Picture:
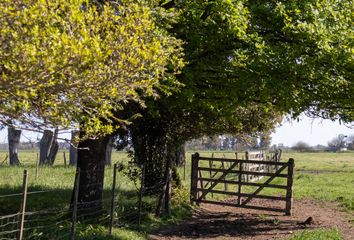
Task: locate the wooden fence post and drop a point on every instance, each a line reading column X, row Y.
column 239, row 183
column 184, row 169
column 141, row 191
column 247, row 166
column 37, row 167
column 76, row 196
column 113, row 197
column 210, row 173
column 21, row 219
column 290, row 187
column 64, row 156
column 194, row 178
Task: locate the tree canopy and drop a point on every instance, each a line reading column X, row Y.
column 65, row 63
column 248, row 62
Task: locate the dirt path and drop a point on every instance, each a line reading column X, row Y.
column 218, row 222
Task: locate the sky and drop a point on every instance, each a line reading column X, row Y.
column 311, row 131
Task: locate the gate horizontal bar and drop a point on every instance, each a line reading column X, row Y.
column 241, row 194
column 242, row 206
column 244, row 161
column 243, row 183
column 241, row 172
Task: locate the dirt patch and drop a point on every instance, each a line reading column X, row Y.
column 219, row 222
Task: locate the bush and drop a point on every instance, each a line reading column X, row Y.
column 301, row 147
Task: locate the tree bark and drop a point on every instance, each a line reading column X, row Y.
column 53, row 148
column 108, row 160
column 73, row 149
column 91, row 161
column 48, row 147
column 14, row 141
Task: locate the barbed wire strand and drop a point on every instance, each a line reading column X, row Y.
column 8, row 232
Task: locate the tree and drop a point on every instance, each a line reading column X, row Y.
column 301, row 147
column 73, row 148
column 351, row 142
column 338, row 142
column 14, row 136
column 248, row 62
column 48, row 147
column 265, row 139
column 73, row 63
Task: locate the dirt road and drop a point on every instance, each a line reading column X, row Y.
column 218, row 222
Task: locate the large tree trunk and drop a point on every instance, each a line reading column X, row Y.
column 108, row 160
column 53, row 148
column 73, row 149
column 48, row 147
column 14, row 141
column 91, row 161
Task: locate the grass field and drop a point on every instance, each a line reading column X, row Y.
column 321, row 176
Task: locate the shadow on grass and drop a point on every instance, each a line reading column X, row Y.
column 56, row 223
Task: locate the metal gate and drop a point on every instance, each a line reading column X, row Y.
column 234, row 175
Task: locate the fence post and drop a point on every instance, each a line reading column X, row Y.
column 76, row 196
column 211, row 162
column 184, row 169
column 64, row 155
column 21, row 219
column 239, row 183
column 290, row 187
column 247, row 166
column 113, row 197
column 194, row 178
column 226, row 186
column 37, row 166
column 141, row 194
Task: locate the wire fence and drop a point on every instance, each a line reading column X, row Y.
column 118, row 207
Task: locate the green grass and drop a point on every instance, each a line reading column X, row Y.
column 325, row 176
column 57, row 182
column 319, row 234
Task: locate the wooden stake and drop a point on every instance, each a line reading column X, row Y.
column 247, row 166
column 141, row 194
column 21, row 219
column 239, row 183
column 289, row 190
column 194, row 178
column 37, row 167
column 76, row 196
column 64, row 156
column 210, row 166
column 113, row 197
column 184, row 170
